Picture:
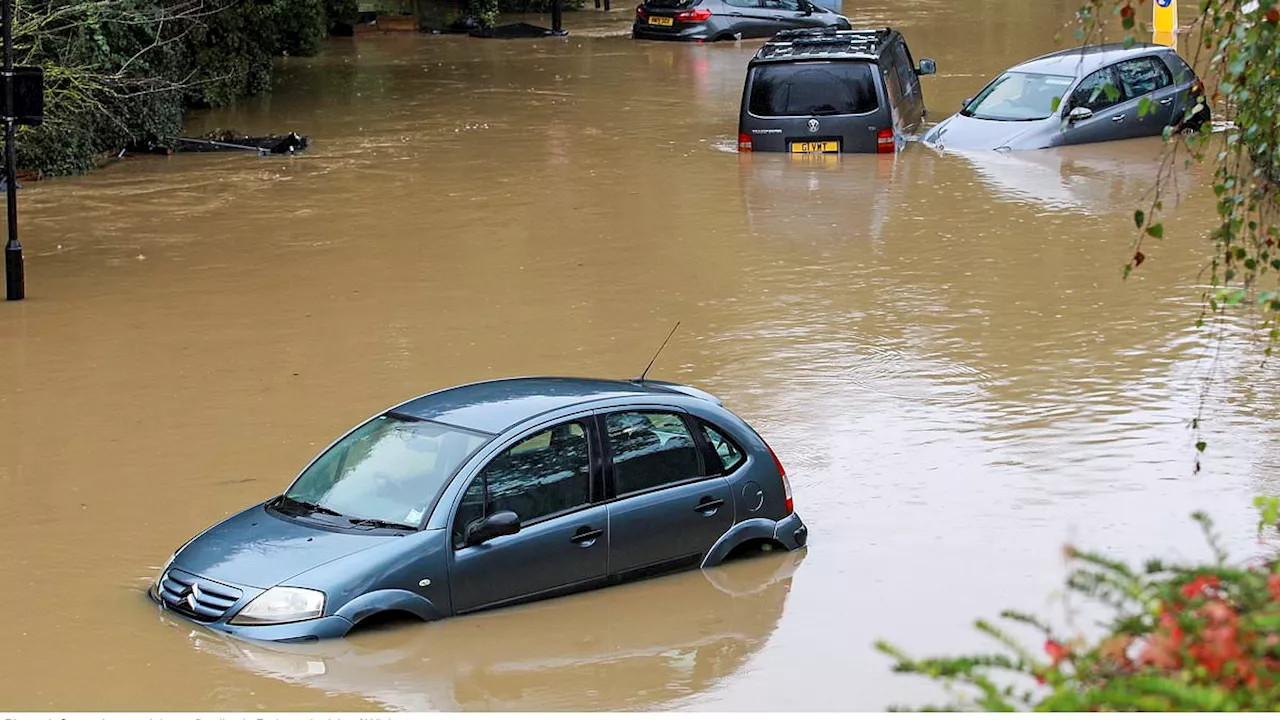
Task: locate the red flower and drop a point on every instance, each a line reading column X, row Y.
column 1198, row 586
column 1055, row 651
column 1039, row 679
column 1273, row 585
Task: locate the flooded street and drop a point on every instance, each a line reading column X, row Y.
column 940, row 349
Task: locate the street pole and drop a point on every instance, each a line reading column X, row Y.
column 15, row 284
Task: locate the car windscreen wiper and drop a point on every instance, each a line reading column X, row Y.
column 313, row 507
column 376, row 523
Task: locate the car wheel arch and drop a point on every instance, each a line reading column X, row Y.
column 754, row 530
column 378, row 602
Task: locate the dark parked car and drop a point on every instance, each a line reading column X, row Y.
column 485, row 495
column 832, row 91
column 1084, row 95
column 712, row 20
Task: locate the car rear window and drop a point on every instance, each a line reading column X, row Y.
column 671, row 4
column 813, row 88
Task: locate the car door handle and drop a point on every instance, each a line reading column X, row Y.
column 586, row 536
column 1166, row 101
column 708, row 505
column 736, row 15
column 1117, row 118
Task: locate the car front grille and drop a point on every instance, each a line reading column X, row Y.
column 196, row 597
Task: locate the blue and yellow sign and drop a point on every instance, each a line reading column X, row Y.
column 1164, row 22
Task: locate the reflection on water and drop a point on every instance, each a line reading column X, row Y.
column 638, row 647
column 938, row 346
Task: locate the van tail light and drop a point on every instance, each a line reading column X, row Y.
column 699, row 15
column 640, row 13
column 885, row 142
column 744, row 142
column 786, row 484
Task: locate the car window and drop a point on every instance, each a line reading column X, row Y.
column 731, row 456
column 547, row 473
column 1096, row 92
column 743, row 3
column 792, row 5
column 902, row 64
column 813, row 88
column 1143, row 75
column 392, row 468
column 1182, row 72
column 1019, row 97
column 651, row 449
column 892, row 86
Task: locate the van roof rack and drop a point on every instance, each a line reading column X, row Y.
column 820, row 42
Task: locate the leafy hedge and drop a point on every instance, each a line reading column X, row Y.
column 124, row 71
column 1181, row 638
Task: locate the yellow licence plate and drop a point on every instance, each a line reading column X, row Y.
column 821, row 146
column 665, row 21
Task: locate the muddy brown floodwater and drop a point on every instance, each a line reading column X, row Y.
column 940, row 348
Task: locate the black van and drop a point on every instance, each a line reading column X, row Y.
column 832, row 91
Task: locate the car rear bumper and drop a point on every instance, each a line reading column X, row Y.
column 331, row 626
column 791, row 532
column 697, row 32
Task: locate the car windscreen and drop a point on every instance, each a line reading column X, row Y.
column 390, row 469
column 813, row 88
column 1019, row 97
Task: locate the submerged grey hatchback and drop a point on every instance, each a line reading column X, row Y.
column 832, row 91
column 485, row 495
column 1084, row 95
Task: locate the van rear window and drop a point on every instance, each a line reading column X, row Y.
column 813, row 88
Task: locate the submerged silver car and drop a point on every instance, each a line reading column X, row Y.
column 1083, row 95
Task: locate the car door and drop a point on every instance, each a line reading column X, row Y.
column 749, row 19
column 550, row 480
column 1099, row 92
column 787, row 14
column 912, row 110
column 668, row 508
column 1147, row 81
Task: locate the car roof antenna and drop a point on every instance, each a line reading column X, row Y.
column 640, row 380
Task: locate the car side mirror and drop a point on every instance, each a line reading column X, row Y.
column 1079, row 113
column 496, row 525
column 965, row 103
column 927, row 67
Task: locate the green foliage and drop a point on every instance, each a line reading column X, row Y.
column 123, row 71
column 1181, row 638
column 1238, row 43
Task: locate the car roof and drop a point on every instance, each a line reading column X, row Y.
column 492, row 406
column 1080, row 61
column 825, row 43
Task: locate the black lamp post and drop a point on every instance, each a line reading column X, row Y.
column 23, row 105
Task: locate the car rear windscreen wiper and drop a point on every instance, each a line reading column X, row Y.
column 376, row 523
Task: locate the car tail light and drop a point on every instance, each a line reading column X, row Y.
column 884, row 141
column 699, row 15
column 786, row 484
column 744, row 142
column 640, row 13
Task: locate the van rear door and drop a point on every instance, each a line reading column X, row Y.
column 788, row 104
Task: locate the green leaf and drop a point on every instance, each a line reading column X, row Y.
column 1139, row 218
column 1200, row 446
column 1156, row 231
